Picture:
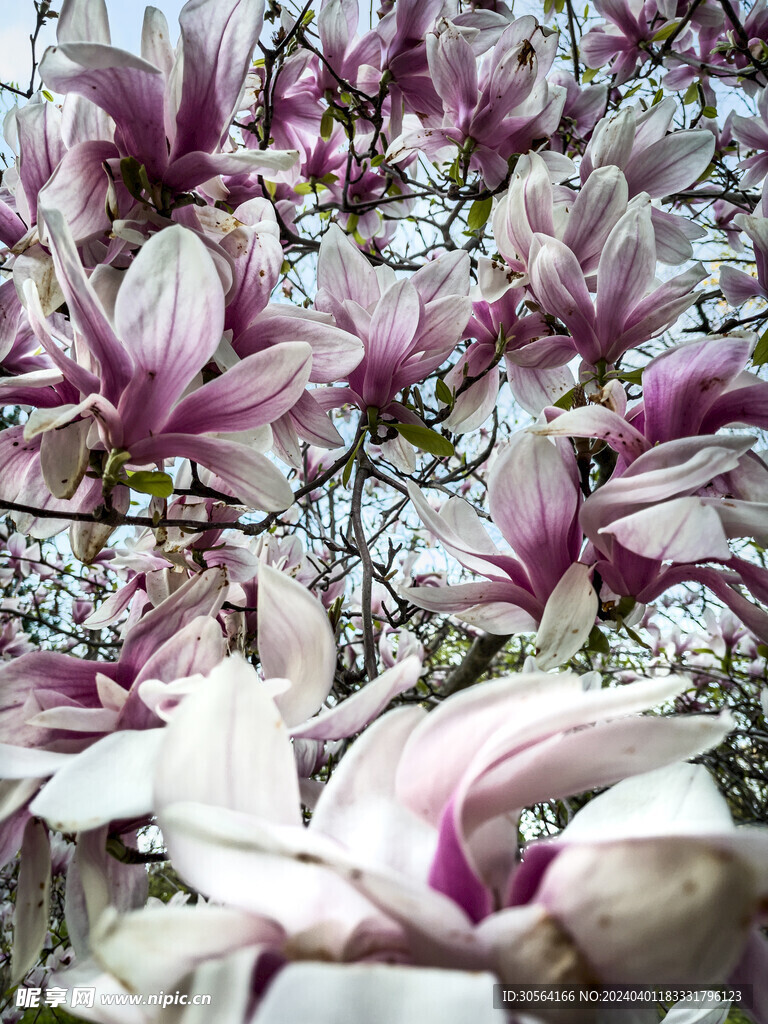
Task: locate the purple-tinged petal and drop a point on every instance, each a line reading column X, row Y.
column 192, row 169
column 64, row 458
column 626, row 271
column 12, row 227
column 611, row 142
column 682, row 384
column 41, row 148
column 471, row 546
column 307, row 657
column 452, row 874
column 670, row 164
column 446, row 275
column 257, row 257
column 355, row 712
column 597, row 421
column 129, row 89
column 393, row 326
column 600, row 203
column 78, row 188
column 210, row 86
column 558, row 283
column 170, row 315
column 257, row 390
column 737, row 286
column 453, row 67
column 335, row 352
column 227, row 746
column 248, row 474
column 532, row 495
column 85, row 309
column 313, row 424
column 514, row 610
column 343, row 272
column 681, row 530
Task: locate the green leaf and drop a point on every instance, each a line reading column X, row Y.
column 760, row 355
column 691, row 93
column 598, row 642
column 479, row 212
column 762, row 650
column 48, row 95
column 710, row 112
column 665, row 32
column 326, row 125
column 565, row 401
column 658, row 97
column 377, row 160
column 588, row 75
column 425, row 439
column 631, row 376
column 443, row 392
column 160, row 485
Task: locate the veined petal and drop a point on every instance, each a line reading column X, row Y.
column 210, row 86
column 86, row 311
column 129, row 89
column 681, row 530
column 532, row 494
column 672, row 163
column 193, row 169
column 626, row 271
column 170, row 315
column 343, row 272
column 257, row 390
column 597, row 421
column 249, row 474
column 393, row 325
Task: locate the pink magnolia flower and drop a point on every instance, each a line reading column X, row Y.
column 655, row 161
column 620, row 42
column 630, row 306
column 167, row 324
column 496, row 112
column 171, row 114
column 408, row 326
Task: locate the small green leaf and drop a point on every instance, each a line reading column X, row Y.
column 377, row 160
column 160, row 485
column 303, row 188
column 631, row 376
column 48, row 95
column 479, row 212
column 565, row 401
column 760, row 355
column 710, row 112
column 691, row 93
column 658, row 97
column 425, row 439
column 665, row 32
column 443, row 392
column 598, row 642
column 762, row 650
column 588, row 75
column 326, row 125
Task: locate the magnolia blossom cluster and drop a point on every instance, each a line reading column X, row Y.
column 349, row 832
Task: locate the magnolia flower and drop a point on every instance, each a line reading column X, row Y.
column 413, row 878
column 408, row 327
column 493, row 113
column 171, row 114
column 149, row 333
